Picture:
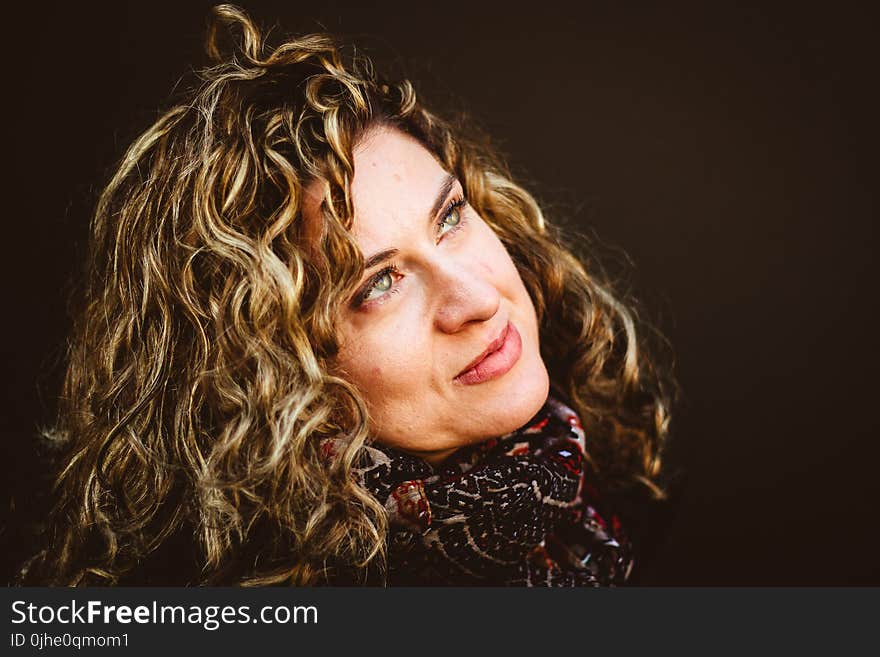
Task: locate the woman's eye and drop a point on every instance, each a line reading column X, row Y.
column 381, row 284
column 452, row 217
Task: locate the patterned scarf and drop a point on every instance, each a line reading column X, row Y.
column 519, row 510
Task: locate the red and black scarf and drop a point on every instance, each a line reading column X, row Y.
column 519, row 510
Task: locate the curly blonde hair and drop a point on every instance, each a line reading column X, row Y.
column 198, row 388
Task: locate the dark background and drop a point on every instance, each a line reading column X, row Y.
column 730, row 152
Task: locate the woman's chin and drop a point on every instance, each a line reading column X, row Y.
column 478, row 413
column 521, row 399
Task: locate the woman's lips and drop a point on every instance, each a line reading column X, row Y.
column 497, row 362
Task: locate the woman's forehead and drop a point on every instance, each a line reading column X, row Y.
column 396, row 180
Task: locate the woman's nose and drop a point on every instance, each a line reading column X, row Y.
column 463, row 294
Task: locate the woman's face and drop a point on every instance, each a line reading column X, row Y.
column 439, row 292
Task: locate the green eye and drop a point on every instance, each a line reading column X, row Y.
column 452, row 218
column 383, row 283
column 379, row 285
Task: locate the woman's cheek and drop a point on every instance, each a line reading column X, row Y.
column 501, row 268
column 398, row 358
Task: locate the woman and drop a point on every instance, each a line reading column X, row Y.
column 325, row 338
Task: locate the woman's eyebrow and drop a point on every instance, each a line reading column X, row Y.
column 386, row 254
column 445, row 188
column 378, row 258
